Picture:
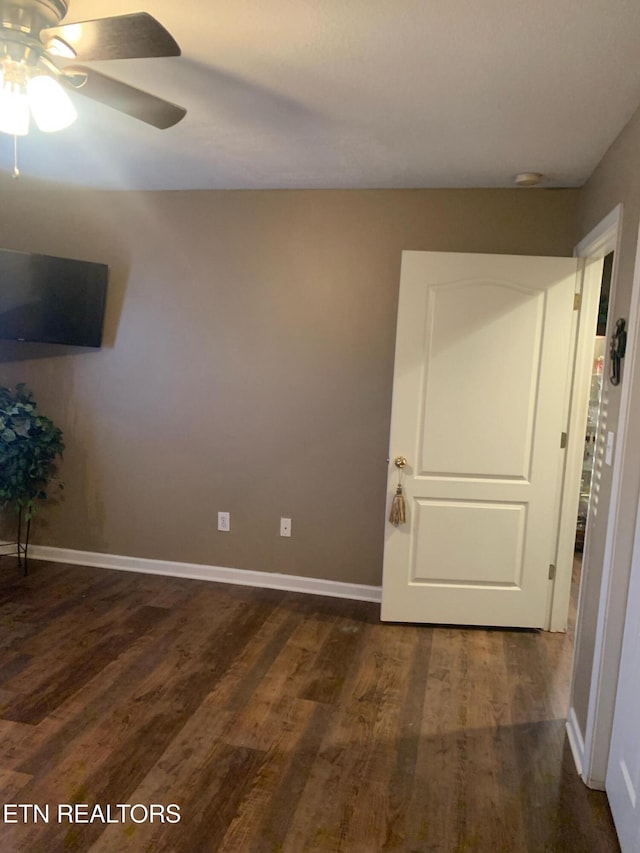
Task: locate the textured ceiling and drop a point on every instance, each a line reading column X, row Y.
column 358, row 93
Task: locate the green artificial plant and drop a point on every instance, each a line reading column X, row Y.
column 29, row 444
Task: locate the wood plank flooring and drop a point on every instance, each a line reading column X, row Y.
column 278, row 723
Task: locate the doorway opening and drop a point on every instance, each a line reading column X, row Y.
column 586, row 576
column 591, row 471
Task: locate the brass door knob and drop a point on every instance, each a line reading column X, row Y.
column 400, row 462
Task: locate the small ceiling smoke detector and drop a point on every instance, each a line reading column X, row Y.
column 528, row 179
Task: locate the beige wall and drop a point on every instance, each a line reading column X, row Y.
column 615, row 181
column 247, row 365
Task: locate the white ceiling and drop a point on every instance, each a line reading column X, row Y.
column 358, row 93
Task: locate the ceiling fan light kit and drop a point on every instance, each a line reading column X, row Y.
column 50, row 105
column 33, row 77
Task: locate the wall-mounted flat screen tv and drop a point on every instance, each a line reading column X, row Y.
column 51, row 300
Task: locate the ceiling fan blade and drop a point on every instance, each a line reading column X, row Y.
column 120, row 96
column 134, row 36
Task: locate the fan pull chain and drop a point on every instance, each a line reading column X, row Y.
column 16, row 172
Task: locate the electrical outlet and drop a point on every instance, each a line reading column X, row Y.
column 285, row 527
column 224, row 522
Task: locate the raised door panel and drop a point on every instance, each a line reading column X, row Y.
column 481, row 360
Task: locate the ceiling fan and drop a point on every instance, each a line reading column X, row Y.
column 35, row 79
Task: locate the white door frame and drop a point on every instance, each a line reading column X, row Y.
column 617, row 558
column 591, row 748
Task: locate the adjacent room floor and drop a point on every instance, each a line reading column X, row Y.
column 276, row 722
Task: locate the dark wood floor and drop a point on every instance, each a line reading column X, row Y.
column 278, row 722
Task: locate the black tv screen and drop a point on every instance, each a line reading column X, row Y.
column 51, row 300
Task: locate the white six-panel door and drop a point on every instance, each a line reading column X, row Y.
column 480, row 384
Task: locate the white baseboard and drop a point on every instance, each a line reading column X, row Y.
column 195, row 571
column 576, row 740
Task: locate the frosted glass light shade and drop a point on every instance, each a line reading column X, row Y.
column 51, row 107
column 14, row 109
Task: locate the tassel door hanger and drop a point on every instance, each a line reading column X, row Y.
column 398, row 513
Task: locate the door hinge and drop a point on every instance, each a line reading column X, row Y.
column 552, row 572
column 577, row 301
column 563, row 440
